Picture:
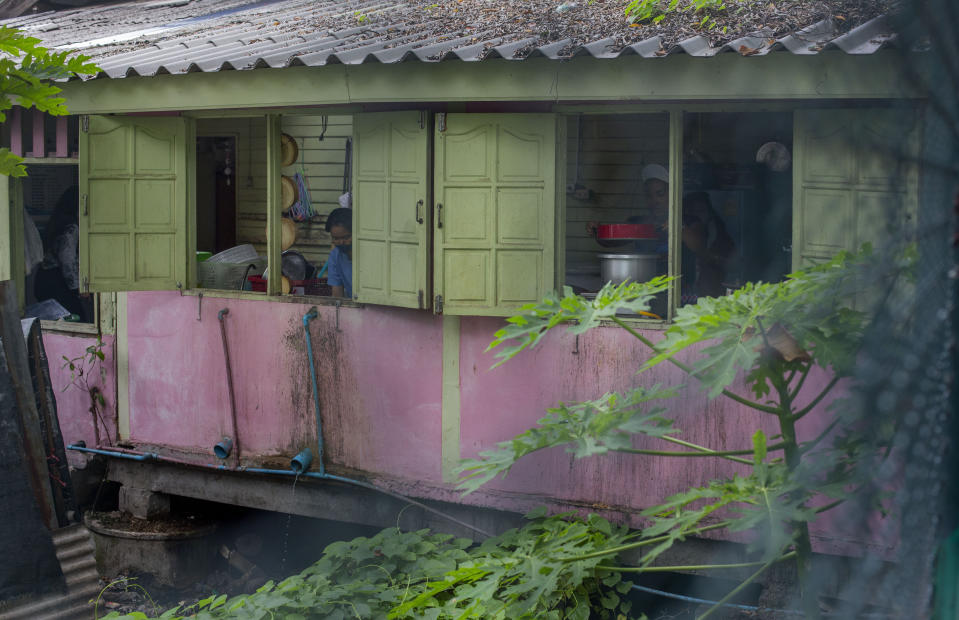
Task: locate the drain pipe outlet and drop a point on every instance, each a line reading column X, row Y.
column 223, row 448
column 301, row 462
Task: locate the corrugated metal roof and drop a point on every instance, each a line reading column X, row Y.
column 183, row 36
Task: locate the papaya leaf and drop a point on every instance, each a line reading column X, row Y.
column 587, row 428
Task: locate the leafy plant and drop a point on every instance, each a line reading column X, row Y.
column 655, row 11
column 522, row 573
column 773, row 335
column 26, row 70
column 84, row 370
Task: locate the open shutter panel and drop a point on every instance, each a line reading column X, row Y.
column 133, row 203
column 494, row 221
column 390, row 164
column 855, row 180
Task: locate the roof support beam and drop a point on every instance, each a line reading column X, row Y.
column 777, row 76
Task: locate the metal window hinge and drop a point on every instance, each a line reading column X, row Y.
column 85, row 202
column 422, row 119
column 179, row 287
column 86, row 284
column 438, row 304
column 85, row 123
column 419, row 299
column 441, row 122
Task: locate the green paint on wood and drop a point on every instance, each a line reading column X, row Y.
column 273, row 206
column 17, row 258
column 676, row 78
column 133, row 203
column 6, row 230
column 122, row 359
column 495, row 211
column 451, row 398
column 855, row 180
column 390, row 164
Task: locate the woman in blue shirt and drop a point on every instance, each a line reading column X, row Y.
column 340, row 265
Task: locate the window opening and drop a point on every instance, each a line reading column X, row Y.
column 316, row 159
column 617, row 200
column 230, row 214
column 737, row 201
column 51, row 244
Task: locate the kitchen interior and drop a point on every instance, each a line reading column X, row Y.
column 231, row 200
column 740, row 161
column 737, row 188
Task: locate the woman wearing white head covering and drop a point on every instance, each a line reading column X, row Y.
column 707, row 246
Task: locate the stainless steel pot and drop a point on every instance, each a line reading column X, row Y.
column 618, row 268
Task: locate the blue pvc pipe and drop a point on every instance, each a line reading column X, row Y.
column 301, row 462
column 149, row 456
column 309, row 316
column 223, row 448
column 152, row 456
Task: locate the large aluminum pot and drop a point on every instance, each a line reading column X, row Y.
column 617, row 268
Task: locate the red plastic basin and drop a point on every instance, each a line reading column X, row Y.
column 626, row 231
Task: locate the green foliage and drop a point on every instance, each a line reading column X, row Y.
column 588, row 428
column 772, row 335
column 654, row 11
column 535, row 320
column 522, row 573
column 26, row 70
column 82, row 367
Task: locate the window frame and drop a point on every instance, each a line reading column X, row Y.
column 563, row 112
column 12, row 263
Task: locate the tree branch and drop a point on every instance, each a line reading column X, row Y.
column 666, row 569
column 736, row 397
column 829, row 386
column 643, row 543
column 699, row 453
column 745, row 583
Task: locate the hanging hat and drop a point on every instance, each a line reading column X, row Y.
column 288, row 193
column 655, row 171
column 287, row 233
column 289, row 150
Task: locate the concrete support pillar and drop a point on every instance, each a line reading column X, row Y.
column 143, row 503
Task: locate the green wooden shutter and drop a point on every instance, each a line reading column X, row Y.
column 390, row 164
column 133, row 203
column 495, row 211
column 855, row 180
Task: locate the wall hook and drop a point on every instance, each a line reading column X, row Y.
column 338, row 303
column 576, row 346
column 199, row 305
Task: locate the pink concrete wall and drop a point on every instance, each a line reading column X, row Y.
column 73, row 403
column 380, row 381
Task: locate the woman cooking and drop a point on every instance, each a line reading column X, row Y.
column 707, row 247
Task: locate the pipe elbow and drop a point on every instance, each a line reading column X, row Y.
column 222, row 313
column 309, row 316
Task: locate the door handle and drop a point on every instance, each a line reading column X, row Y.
column 439, row 215
column 419, row 218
